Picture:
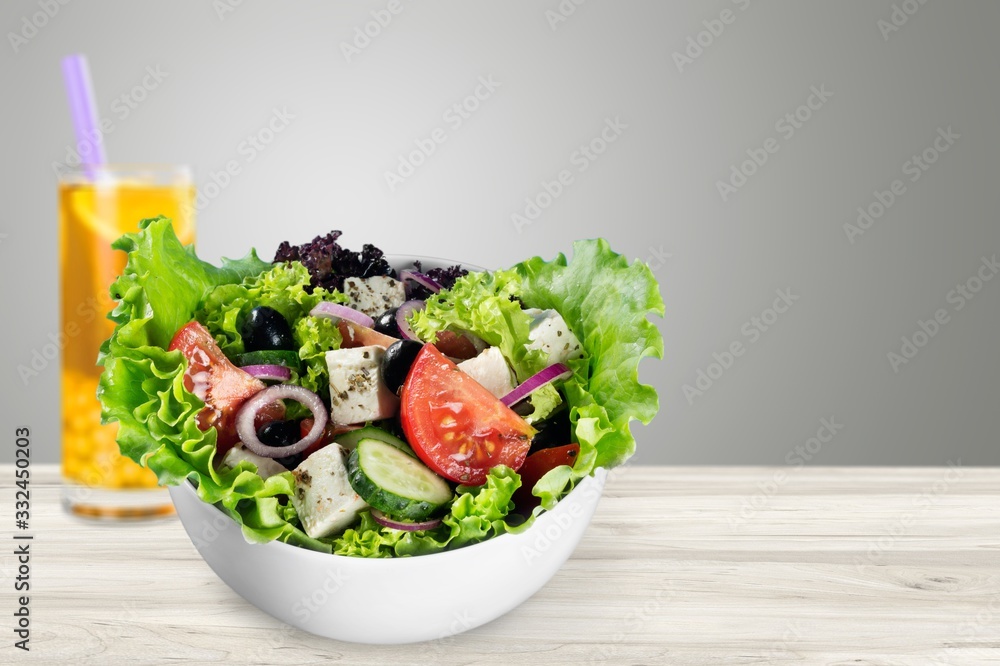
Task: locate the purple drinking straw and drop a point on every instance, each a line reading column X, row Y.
column 83, row 110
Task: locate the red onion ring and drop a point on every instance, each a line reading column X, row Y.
column 277, row 373
column 338, row 311
column 405, row 525
column 248, row 412
column 423, row 280
column 553, row 373
column 404, row 311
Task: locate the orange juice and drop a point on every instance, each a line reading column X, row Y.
column 94, row 210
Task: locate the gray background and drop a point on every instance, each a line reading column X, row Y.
column 653, row 192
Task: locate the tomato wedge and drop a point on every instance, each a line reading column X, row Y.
column 536, row 466
column 454, row 345
column 219, row 384
column 457, row 427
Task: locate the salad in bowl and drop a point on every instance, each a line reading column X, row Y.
column 342, row 403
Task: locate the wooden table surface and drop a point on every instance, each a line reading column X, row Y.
column 682, row 565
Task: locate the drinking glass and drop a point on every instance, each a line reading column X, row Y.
column 97, row 204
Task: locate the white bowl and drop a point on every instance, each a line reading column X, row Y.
column 383, row 601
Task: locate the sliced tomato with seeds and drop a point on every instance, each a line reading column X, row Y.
column 220, row 385
column 455, row 426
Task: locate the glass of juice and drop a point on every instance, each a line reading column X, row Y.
column 97, row 204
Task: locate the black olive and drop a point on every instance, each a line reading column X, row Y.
column 265, row 328
column 386, row 323
column 282, row 433
column 397, row 361
column 279, row 433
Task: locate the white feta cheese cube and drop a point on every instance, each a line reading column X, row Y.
column 357, row 392
column 491, row 370
column 374, row 295
column 266, row 467
column 323, row 496
column 550, row 333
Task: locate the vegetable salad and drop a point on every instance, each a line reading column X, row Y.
column 330, row 402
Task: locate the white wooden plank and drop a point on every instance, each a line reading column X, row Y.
column 835, row 565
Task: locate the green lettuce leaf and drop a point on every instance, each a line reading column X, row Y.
column 484, row 304
column 606, row 302
column 545, row 400
column 164, row 283
column 142, row 385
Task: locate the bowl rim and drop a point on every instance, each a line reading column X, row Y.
column 395, row 259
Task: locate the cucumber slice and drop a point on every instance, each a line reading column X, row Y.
column 284, row 357
column 395, row 483
column 349, row 440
